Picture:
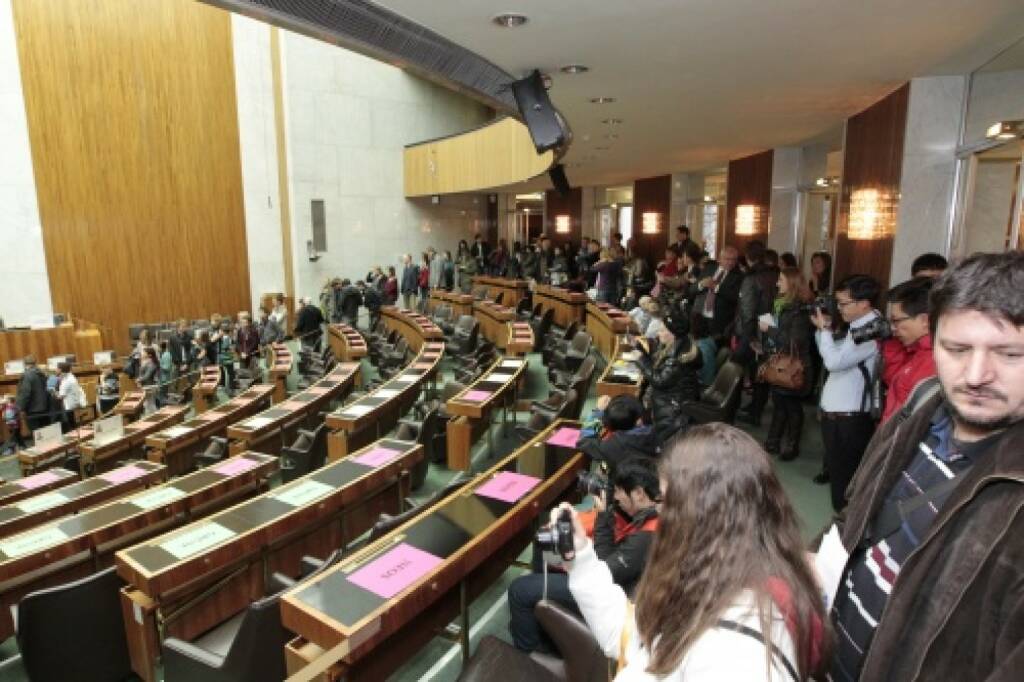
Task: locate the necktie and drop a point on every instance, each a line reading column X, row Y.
column 709, row 302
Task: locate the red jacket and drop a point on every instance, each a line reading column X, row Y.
column 904, row 368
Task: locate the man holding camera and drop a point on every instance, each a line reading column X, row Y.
column 846, row 399
column 907, row 357
column 622, row 535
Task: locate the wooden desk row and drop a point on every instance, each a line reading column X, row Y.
column 569, row 306
column 494, row 320
column 131, row 405
column 196, row 577
column 390, row 599
column 54, row 453
column 461, row 304
column 36, row 484
column 273, row 428
column 346, row 342
column 605, row 324
column 98, row 455
column 78, row 545
column 415, row 328
column 472, row 409
column 520, row 339
column 279, row 366
column 620, row 376
column 513, row 290
column 204, row 393
column 176, row 446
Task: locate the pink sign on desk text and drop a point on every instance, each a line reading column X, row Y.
column 507, row 486
column 376, row 457
column 38, row 480
column 395, row 570
column 476, row 396
column 235, row 466
column 123, row 474
column 564, row 437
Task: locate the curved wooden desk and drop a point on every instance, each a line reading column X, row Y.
column 272, row 429
column 346, row 342
column 97, row 456
column 620, row 376
column 415, row 328
column 46, row 455
column 132, row 403
column 514, row 290
column 569, row 306
column 519, row 338
column 494, row 320
column 605, row 324
column 279, row 366
column 462, row 304
column 204, row 393
column 46, row 481
column 200, row 575
column 456, row 550
column 472, row 408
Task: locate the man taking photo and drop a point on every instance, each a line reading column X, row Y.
column 907, row 357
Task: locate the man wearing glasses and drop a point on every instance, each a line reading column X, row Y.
column 846, row 398
column 907, row 357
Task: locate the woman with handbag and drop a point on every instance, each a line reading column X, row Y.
column 788, row 344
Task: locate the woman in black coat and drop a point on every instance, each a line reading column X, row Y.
column 671, row 375
column 790, row 333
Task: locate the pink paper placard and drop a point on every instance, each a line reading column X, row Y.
column 235, row 466
column 376, row 457
column 123, row 474
column 395, row 570
column 564, row 437
column 507, row 486
column 476, row 396
column 38, row 480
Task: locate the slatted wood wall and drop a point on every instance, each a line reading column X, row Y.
column 134, row 132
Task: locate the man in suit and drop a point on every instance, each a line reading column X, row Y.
column 33, row 399
column 479, row 251
column 683, row 239
column 410, row 281
column 719, row 293
column 181, row 347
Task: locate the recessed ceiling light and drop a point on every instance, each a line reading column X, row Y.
column 575, row 68
column 611, row 136
column 611, row 121
column 602, row 100
column 510, row 19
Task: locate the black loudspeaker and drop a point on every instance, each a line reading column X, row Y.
column 545, row 125
column 558, row 179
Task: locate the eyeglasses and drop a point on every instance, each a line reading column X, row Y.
column 843, row 304
column 897, row 320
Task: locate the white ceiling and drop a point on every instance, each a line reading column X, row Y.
column 699, row 82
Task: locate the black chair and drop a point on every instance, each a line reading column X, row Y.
column 306, row 454
column 311, row 567
column 558, row 342
column 496, row 661
column 541, row 326
column 564, row 380
column 721, row 399
column 523, row 310
column 428, row 434
column 75, row 631
column 247, row 648
column 570, row 359
column 464, row 338
column 537, row 422
column 216, row 450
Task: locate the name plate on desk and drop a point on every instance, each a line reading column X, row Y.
column 302, row 493
column 395, row 570
column 257, row 423
column 156, row 498
column 32, row 542
column 511, row 364
column 497, row 376
column 176, row 431
column 41, row 502
column 357, row 410
column 386, row 393
column 197, row 539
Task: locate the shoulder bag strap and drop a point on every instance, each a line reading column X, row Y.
column 754, row 634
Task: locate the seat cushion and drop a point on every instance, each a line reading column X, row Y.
column 218, row 640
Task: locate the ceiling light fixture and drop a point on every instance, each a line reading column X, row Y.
column 602, row 100
column 510, row 19
column 575, row 68
column 611, row 121
column 1005, row 130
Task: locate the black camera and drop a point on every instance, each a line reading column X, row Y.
column 557, row 537
column 591, row 483
column 826, row 304
column 877, row 329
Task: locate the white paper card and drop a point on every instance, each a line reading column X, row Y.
column 258, row 422
column 14, row 367
column 109, row 429
column 404, row 379
column 103, row 357
column 830, row 562
column 197, row 539
column 32, row 541
column 156, row 498
column 175, row 431
column 357, row 410
column 41, row 502
column 386, row 393
column 512, row 364
column 498, row 376
column 302, row 493
column 47, row 434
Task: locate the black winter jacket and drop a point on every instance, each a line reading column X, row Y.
column 671, row 376
column 620, row 446
column 627, row 558
column 792, row 335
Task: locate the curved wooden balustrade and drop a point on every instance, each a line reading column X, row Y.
column 346, row 342
column 569, row 306
column 461, row 304
column 494, row 320
column 513, row 290
column 499, row 153
column 473, row 408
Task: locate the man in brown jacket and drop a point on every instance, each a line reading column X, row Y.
column 933, row 588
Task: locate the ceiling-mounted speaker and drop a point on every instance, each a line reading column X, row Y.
column 547, row 129
column 558, row 179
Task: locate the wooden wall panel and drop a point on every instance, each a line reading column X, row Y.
column 873, row 158
column 749, row 182
column 572, row 206
column 134, row 132
column 652, row 195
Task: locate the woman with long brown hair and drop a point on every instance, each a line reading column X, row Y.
column 790, row 333
column 727, row 593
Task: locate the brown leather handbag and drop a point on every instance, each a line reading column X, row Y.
column 783, row 370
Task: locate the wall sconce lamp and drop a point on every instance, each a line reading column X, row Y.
column 748, row 219
column 872, row 214
column 563, row 224
column 651, row 222
column 1005, row 130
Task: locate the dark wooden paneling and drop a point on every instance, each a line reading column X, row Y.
column 873, row 158
column 134, row 132
column 572, row 206
column 749, row 182
column 652, row 195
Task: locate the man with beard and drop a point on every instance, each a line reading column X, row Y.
column 929, row 556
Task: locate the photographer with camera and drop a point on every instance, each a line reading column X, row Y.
column 622, row 535
column 847, row 423
column 907, row 355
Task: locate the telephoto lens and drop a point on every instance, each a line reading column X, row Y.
column 877, row 329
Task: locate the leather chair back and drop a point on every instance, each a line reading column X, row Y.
column 583, row 658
